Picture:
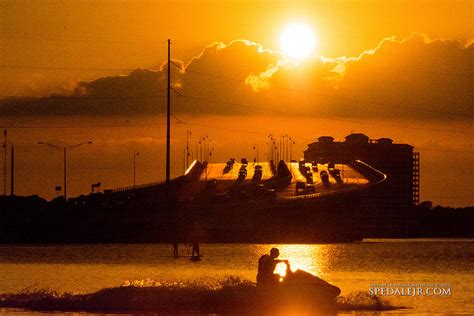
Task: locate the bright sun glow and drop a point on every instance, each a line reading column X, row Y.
column 297, row 41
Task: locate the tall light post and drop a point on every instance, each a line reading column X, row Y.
column 256, row 149
column 266, row 153
column 135, row 154
column 292, row 142
column 188, row 133
column 64, row 149
column 199, row 150
column 271, row 144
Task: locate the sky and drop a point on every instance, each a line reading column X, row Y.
column 398, row 69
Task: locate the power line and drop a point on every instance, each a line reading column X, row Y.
column 80, row 126
column 180, row 121
column 246, row 106
column 86, row 40
column 66, row 68
column 315, row 92
column 227, row 129
column 324, row 117
column 76, row 97
column 299, row 138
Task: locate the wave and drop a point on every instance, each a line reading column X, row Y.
column 231, row 295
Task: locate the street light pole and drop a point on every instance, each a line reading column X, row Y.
column 64, row 149
column 188, row 133
column 135, row 154
column 256, row 156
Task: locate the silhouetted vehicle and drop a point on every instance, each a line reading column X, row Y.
column 304, row 169
column 314, row 166
column 336, row 173
column 244, row 161
column 300, row 287
column 324, row 177
column 227, row 169
column 301, row 163
column 229, row 165
column 310, row 188
column 242, row 173
column 307, row 292
column 257, row 176
column 258, row 167
column 331, row 166
column 300, row 187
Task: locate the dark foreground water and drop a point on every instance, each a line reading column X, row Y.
column 356, row 268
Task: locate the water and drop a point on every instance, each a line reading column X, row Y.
column 352, row 267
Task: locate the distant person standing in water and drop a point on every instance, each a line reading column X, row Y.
column 196, row 250
column 266, row 268
column 175, row 250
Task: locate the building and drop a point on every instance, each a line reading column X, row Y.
column 388, row 208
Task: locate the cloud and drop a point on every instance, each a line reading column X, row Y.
column 415, row 77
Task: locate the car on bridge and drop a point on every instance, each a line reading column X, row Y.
column 300, row 187
column 324, row 177
column 314, row 166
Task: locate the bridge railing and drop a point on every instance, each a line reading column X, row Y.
column 194, row 170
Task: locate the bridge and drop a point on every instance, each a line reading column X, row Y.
column 288, row 180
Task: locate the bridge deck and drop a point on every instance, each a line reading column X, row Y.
column 349, row 178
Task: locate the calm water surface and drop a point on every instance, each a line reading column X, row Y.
column 353, row 267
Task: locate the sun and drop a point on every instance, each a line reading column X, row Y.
column 297, row 41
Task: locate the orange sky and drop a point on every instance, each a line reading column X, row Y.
column 130, row 34
column 414, row 82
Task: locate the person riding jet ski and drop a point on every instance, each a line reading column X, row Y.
column 266, row 268
column 296, row 281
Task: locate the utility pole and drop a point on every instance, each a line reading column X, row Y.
column 168, row 114
column 65, row 176
column 5, row 162
column 12, row 176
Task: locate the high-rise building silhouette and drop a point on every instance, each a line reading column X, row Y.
column 387, row 208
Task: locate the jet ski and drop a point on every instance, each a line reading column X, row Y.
column 304, row 281
column 299, row 290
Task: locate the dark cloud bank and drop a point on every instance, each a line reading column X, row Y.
column 414, row 78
